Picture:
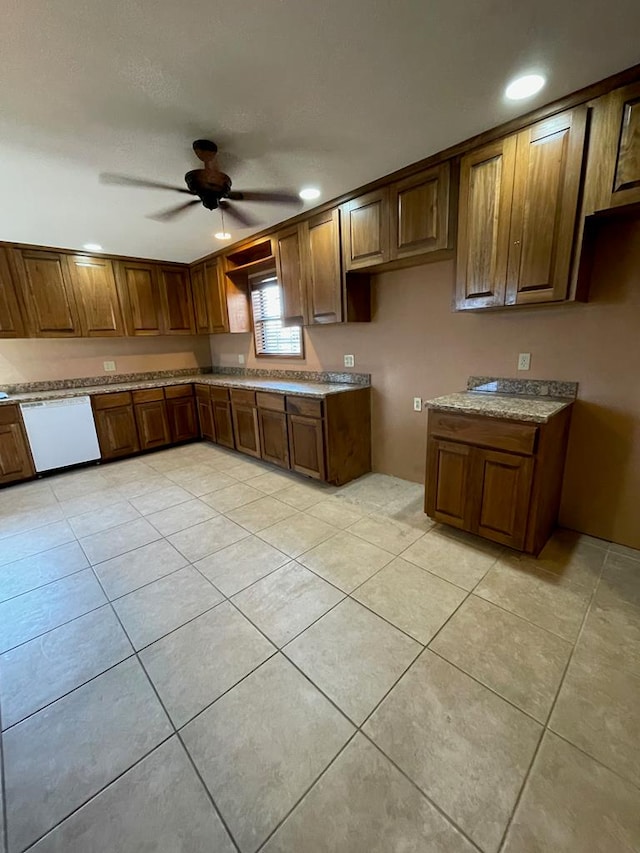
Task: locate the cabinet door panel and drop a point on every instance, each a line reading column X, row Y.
column 176, row 301
column 205, row 417
column 246, row 429
column 209, row 299
column 306, row 446
column 200, row 309
column 153, row 425
column 448, row 482
column 222, row 422
column 11, row 323
column 486, row 195
column 419, row 212
column 289, row 267
column 48, row 294
column 323, row 268
column 97, row 296
column 502, row 494
column 117, row 433
column 140, row 292
column 274, row 439
column 365, row 230
column 183, row 423
column 545, row 201
column 15, row 458
column 626, row 180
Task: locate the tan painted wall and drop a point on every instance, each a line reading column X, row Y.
column 39, row 359
column 417, row 346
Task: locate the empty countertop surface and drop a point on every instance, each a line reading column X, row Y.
column 520, row 407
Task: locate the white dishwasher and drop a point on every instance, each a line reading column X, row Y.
column 61, row 432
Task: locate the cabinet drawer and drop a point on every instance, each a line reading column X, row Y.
column 484, row 432
column 173, row 391
column 203, row 392
column 111, row 401
column 148, row 395
column 243, row 397
column 275, row 402
column 219, row 394
column 307, row 406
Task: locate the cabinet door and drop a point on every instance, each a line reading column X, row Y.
column 419, row 213
column 549, row 159
column 290, row 270
column 484, row 217
column 11, row 323
column 205, row 415
column 183, row 422
column 306, row 446
column 246, row 429
column 117, row 433
column 209, row 299
column 153, row 424
column 274, row 439
column 48, row 294
column 176, row 301
column 96, row 296
column 324, row 282
column 447, row 496
column 626, row 178
column 365, row 230
column 138, row 283
column 200, row 309
column 502, row 487
column 15, row 458
column 222, row 423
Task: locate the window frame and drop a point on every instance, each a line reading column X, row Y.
column 257, row 282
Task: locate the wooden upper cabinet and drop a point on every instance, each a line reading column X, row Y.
column 365, row 230
column 549, row 158
column 324, row 280
column 419, row 213
column 176, row 301
column 291, row 275
column 484, row 217
column 96, row 296
column 47, row 292
column 11, row 323
column 209, row 298
column 626, row 178
column 138, row 283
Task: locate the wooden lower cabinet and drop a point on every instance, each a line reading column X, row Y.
column 115, row 424
column 153, row 423
column 449, row 465
column 246, row 429
column 15, row 458
column 222, row 422
column 183, row 420
column 274, row 438
column 205, row 412
column 504, row 483
column 306, row 446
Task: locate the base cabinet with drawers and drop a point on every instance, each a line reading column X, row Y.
column 500, row 479
column 15, row 458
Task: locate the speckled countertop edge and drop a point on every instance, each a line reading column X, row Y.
column 521, row 408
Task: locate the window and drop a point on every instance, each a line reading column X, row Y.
column 272, row 338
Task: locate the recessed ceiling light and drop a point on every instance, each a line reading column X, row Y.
column 524, row 87
column 309, row 193
column 222, row 235
column 92, row 247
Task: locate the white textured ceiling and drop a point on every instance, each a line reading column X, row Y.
column 333, row 93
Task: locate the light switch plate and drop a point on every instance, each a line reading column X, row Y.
column 417, row 404
column 109, row 365
column 349, row 361
column 240, row 359
column 524, row 361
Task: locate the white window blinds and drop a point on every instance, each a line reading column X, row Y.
column 272, row 338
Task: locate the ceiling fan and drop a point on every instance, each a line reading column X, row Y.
column 211, row 186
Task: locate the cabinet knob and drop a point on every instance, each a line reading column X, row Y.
column 516, row 242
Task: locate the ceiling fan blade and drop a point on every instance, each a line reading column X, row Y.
column 239, row 217
column 275, row 196
column 125, row 180
column 172, row 212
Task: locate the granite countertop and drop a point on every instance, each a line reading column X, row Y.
column 283, row 386
column 519, row 407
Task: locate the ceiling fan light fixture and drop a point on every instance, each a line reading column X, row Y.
column 309, row 193
column 92, row 247
column 524, row 87
column 222, row 235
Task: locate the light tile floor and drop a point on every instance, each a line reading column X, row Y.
column 199, row 652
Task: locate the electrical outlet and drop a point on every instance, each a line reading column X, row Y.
column 524, row 361
column 417, row 404
column 349, row 361
column 109, row 365
column 240, row 359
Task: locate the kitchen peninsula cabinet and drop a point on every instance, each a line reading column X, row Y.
column 11, row 322
column 15, row 458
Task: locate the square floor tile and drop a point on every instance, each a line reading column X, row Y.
column 179, row 517
column 393, row 536
column 287, row 601
column 148, row 484
column 353, row 656
column 188, row 471
column 611, row 635
column 152, row 611
column 40, row 671
column 465, row 747
column 155, row 501
column 518, row 660
column 620, row 581
column 297, row 534
column 336, row 512
column 624, row 550
column 64, row 754
column 346, row 560
column 573, row 562
column 461, row 561
column 206, row 538
column 374, row 492
column 303, row 495
column 573, row 804
column 160, row 805
column 103, row 518
column 76, row 484
column 598, row 710
column 363, row 804
column 134, row 569
column 40, row 610
column 206, row 483
column 40, row 569
column 261, row 745
column 197, row 663
column 96, row 500
column 232, row 497
column 15, row 520
column 537, row 596
column 110, row 543
column 268, row 482
column 262, row 513
column 241, row 564
column 413, row 600
column 31, row 542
